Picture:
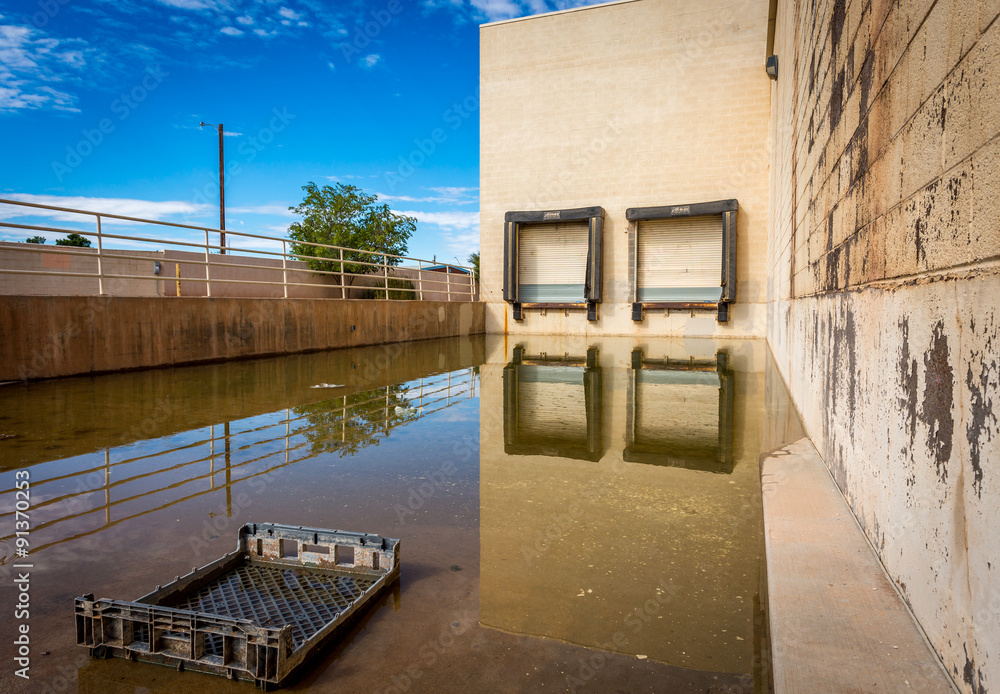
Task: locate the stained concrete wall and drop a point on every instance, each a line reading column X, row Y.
column 656, row 102
column 882, row 287
column 44, row 337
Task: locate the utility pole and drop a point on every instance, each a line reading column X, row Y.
column 222, row 190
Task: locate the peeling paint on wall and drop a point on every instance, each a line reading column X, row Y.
column 882, row 313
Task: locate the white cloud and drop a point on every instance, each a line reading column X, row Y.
column 455, row 191
column 333, row 68
column 446, row 195
column 189, row 4
column 498, row 9
column 281, row 210
column 370, row 60
column 231, row 31
column 439, row 199
column 288, row 13
column 73, row 58
column 264, row 34
column 461, row 245
column 31, row 63
column 458, row 221
column 341, row 177
column 143, row 209
column 495, row 10
column 245, row 20
column 229, row 133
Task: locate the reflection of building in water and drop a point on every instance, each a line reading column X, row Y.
column 680, row 413
column 600, row 513
column 552, row 406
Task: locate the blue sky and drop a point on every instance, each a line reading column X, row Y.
column 100, row 102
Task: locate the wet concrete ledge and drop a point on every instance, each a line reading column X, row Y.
column 837, row 623
column 50, row 336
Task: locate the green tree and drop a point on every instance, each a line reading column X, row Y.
column 473, row 260
column 35, row 239
column 74, row 240
column 346, row 216
column 349, row 424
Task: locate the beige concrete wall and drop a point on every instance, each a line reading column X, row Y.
column 653, row 102
column 43, row 337
column 883, row 290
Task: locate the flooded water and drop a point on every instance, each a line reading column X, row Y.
column 574, row 515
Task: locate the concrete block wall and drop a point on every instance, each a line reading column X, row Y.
column 883, row 285
column 626, row 104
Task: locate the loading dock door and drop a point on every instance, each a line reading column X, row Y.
column 679, row 260
column 552, row 262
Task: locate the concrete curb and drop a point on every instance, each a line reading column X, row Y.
column 837, row 623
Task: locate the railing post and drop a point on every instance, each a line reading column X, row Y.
column 208, row 261
column 100, row 258
column 385, row 273
column 107, row 486
column 284, row 267
column 447, row 274
column 420, row 278
column 343, row 289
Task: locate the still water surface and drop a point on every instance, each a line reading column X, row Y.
column 574, row 515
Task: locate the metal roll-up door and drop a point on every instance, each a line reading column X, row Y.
column 552, row 262
column 552, row 404
column 678, row 411
column 680, row 259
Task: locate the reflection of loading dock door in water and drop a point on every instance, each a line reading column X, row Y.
column 680, row 414
column 552, row 408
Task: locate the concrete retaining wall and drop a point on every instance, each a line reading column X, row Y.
column 44, row 337
column 883, row 283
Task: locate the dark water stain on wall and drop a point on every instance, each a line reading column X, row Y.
column 907, row 367
column 938, row 400
column 982, row 420
column 972, row 675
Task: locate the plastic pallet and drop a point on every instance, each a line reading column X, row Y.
column 256, row 614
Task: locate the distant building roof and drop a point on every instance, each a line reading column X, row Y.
column 445, row 268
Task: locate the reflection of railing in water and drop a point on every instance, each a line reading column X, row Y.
column 400, row 404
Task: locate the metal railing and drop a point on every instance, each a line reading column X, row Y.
column 105, row 488
column 384, row 275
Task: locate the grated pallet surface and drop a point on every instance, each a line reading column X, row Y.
column 274, row 595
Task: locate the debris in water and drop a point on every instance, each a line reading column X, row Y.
column 257, row 614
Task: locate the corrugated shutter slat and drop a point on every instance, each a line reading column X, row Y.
column 552, row 262
column 680, row 259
